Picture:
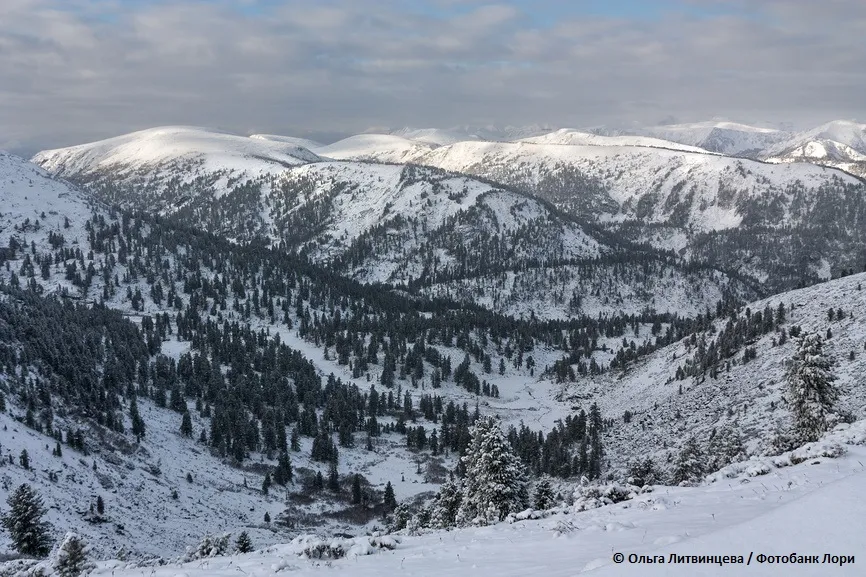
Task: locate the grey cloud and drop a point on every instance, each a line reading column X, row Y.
column 70, row 75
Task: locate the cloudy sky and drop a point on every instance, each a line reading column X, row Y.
column 78, row 70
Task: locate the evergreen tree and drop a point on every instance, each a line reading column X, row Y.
column 296, row 440
column 24, row 459
column 100, row 505
column 495, row 482
column 543, row 498
column 283, row 473
column 642, row 472
column 267, row 517
column 70, row 558
column 446, row 506
column 186, row 425
column 690, row 464
column 137, row 421
column 266, row 483
column 24, row 523
column 333, row 478
column 244, row 544
column 810, row 388
column 725, row 447
column 356, row 489
column 390, row 500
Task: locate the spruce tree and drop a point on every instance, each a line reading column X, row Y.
column 137, row 421
column 543, row 498
column 356, row 489
column 186, row 425
column 70, row 559
column 333, row 478
column 390, row 500
column 24, row 522
column 446, row 505
column 495, row 482
column 810, row 388
column 244, row 544
column 690, row 465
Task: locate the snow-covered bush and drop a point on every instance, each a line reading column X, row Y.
column 209, row 546
column 588, row 496
column 313, row 547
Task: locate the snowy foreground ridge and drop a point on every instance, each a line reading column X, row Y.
column 799, row 514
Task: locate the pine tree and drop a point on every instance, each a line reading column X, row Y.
column 100, row 505
column 446, row 506
column 810, row 388
column 244, row 544
column 356, row 489
column 725, row 447
column 266, row 483
column 296, row 440
column 70, row 558
column 186, row 425
column 690, row 462
column 389, row 500
column 333, row 478
column 137, row 421
column 495, row 482
column 267, row 517
column 24, row 459
column 24, row 522
column 543, row 498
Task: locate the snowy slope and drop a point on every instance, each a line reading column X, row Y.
column 175, row 144
column 702, row 192
column 578, row 137
column 401, row 225
column 34, row 205
column 764, row 516
column 748, row 396
column 375, row 147
column 294, row 140
column 840, row 144
column 436, row 136
column 849, row 134
column 718, row 136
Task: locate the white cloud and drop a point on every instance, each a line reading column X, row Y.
column 68, row 75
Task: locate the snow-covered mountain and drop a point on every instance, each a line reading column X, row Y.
column 724, row 137
column 190, row 150
column 840, row 144
column 435, row 136
column 405, row 225
column 375, row 147
column 297, row 141
column 444, row 136
column 578, row 137
column 654, row 185
column 733, row 213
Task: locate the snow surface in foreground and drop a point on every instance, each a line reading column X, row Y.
column 811, row 508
